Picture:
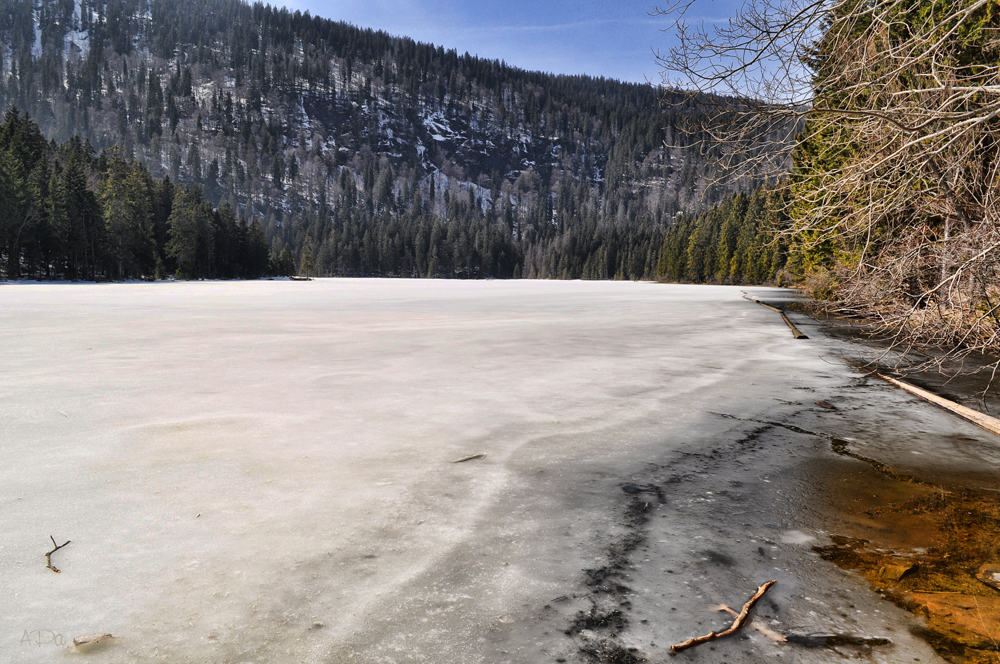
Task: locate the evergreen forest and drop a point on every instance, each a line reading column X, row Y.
column 736, row 242
column 69, row 213
column 355, row 153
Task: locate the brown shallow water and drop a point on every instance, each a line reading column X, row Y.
column 925, row 535
column 923, row 551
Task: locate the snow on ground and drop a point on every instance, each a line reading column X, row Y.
column 203, row 92
column 437, row 124
column 36, row 45
column 78, row 38
column 75, row 36
column 260, row 471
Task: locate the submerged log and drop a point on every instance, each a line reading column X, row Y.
column 795, row 331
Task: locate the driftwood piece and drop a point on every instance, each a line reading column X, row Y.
column 48, row 556
column 470, row 458
column 763, row 629
column 740, row 620
column 981, row 420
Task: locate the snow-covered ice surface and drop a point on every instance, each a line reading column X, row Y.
column 260, row 472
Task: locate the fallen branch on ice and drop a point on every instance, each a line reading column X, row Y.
column 795, row 331
column 981, row 420
column 763, row 629
column 48, row 556
column 832, row 640
column 740, row 620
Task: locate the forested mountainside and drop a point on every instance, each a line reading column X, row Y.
column 366, row 154
column 70, row 213
column 738, row 241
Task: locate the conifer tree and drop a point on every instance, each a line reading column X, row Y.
column 307, row 265
column 126, row 199
column 190, row 233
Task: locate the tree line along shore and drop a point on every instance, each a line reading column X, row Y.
column 72, row 213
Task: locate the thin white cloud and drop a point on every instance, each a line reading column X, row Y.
column 590, row 23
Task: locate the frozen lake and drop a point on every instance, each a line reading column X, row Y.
column 261, row 471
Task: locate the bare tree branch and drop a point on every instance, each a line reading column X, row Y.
column 885, row 117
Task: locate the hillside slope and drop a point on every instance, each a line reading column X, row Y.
column 366, row 153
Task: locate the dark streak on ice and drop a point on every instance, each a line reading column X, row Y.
column 838, row 445
column 598, row 628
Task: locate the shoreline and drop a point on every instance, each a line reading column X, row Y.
column 842, row 488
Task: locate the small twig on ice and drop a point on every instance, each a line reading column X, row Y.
column 741, row 619
column 470, row 458
column 48, row 556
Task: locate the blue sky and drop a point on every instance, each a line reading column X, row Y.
column 600, row 38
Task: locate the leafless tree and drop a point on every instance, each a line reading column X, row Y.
column 893, row 107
